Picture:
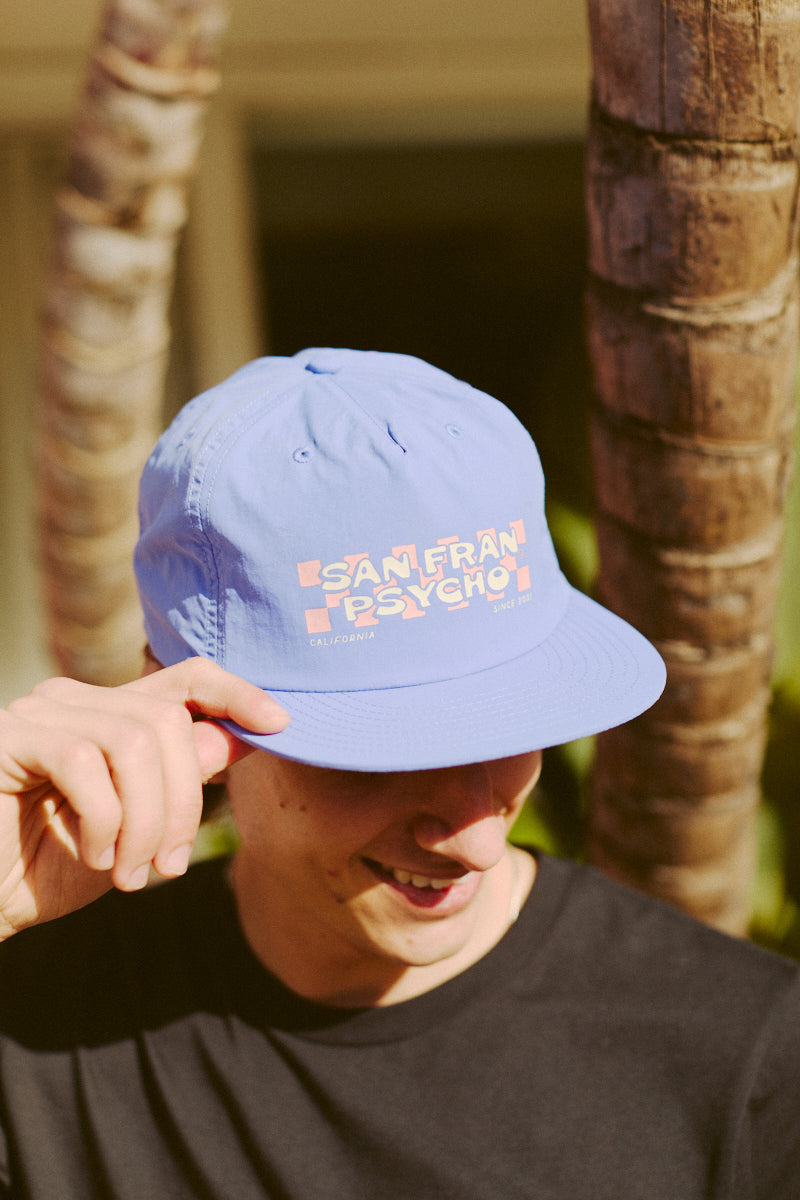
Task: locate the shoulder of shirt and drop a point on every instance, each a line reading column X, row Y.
column 611, row 928
column 93, row 960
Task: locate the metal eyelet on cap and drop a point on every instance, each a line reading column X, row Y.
column 303, row 454
column 326, row 362
column 454, row 430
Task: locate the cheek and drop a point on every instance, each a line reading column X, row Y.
column 315, row 819
column 288, row 833
column 274, row 826
column 265, row 816
column 515, row 778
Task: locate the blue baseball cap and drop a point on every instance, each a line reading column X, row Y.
column 363, row 536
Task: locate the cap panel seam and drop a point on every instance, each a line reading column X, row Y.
column 232, row 430
column 384, row 429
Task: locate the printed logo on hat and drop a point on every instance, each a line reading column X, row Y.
column 357, row 591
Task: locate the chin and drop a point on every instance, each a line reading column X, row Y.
column 423, row 952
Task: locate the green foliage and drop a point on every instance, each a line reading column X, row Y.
column 218, row 834
column 777, row 896
column 776, row 915
column 786, row 674
column 575, row 542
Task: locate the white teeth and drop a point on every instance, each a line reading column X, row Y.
column 421, row 881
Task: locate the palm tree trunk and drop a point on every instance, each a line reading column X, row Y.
column 105, row 333
column 692, row 184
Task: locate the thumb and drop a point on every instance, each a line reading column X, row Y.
column 217, row 748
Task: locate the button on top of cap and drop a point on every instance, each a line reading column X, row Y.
column 325, row 362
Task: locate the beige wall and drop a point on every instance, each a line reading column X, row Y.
column 463, row 65
column 310, row 71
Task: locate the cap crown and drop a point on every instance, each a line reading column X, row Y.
column 346, row 521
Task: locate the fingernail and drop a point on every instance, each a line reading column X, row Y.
column 178, row 860
column 106, row 860
column 138, row 879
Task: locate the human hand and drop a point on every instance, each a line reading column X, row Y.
column 97, row 784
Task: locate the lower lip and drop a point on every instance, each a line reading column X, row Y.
column 443, row 900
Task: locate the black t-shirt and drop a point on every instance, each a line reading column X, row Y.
column 607, row 1048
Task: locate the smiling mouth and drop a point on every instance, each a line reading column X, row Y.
column 409, row 878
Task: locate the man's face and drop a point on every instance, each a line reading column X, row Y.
column 362, row 875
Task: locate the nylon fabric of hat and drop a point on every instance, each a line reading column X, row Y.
column 364, row 536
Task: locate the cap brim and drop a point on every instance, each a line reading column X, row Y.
column 592, row 673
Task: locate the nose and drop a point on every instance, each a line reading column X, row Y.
column 461, row 819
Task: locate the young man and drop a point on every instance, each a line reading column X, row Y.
column 378, row 995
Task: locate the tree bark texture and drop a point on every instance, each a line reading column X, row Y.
column 105, row 331
column 692, row 312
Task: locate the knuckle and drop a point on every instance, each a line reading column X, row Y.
column 57, row 688
column 18, row 708
column 198, row 663
column 174, row 719
column 27, row 708
column 136, row 742
column 81, row 756
column 204, row 672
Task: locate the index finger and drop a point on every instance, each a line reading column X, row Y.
column 207, row 689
